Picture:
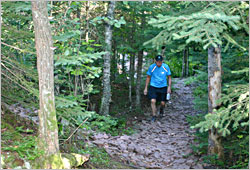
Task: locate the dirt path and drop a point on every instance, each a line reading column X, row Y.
column 161, row 144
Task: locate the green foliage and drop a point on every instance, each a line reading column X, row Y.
column 200, row 92
column 21, row 79
column 201, row 138
column 115, row 22
column 237, row 147
column 21, row 130
column 100, row 159
column 14, row 140
column 175, row 65
column 109, row 124
column 213, row 160
column 72, row 109
column 206, row 27
column 233, row 114
column 26, row 148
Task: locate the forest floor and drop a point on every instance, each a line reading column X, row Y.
column 165, row 143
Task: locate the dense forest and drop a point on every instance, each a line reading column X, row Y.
column 73, row 75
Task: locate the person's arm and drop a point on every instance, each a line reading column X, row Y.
column 169, row 84
column 146, row 85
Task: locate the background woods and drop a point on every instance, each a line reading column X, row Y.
column 78, row 69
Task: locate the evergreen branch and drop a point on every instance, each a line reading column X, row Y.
column 228, row 38
column 12, row 64
column 15, row 82
column 211, row 42
column 11, row 72
column 24, row 51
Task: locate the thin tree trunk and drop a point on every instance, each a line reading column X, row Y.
column 76, row 82
column 87, row 21
column 214, row 94
column 139, row 70
column 183, row 63
column 132, row 61
column 69, row 82
column 51, row 5
column 130, row 82
column 138, row 80
column 133, row 70
column 187, row 56
column 114, row 64
column 48, row 130
column 131, row 77
column 163, row 49
column 106, row 98
column 123, row 64
column 82, row 85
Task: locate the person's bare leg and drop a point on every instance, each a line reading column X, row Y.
column 162, row 107
column 153, row 106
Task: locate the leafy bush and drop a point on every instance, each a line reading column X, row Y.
column 109, row 124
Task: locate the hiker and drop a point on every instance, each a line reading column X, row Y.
column 157, row 76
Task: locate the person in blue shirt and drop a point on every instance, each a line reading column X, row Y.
column 157, row 75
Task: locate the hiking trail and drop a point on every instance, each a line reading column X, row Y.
column 164, row 143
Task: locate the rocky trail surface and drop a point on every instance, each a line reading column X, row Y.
column 164, row 143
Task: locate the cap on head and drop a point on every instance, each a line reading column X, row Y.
column 158, row 58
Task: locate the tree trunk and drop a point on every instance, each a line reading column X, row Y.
column 214, row 93
column 187, row 56
column 138, row 81
column 133, row 69
column 48, row 130
column 183, row 63
column 123, row 64
column 139, row 69
column 131, row 76
column 114, row 64
column 163, row 49
column 106, row 98
column 87, row 21
column 130, row 81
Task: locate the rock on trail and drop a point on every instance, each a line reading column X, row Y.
column 161, row 144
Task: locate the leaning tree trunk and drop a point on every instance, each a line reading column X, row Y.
column 138, row 81
column 214, row 93
column 106, row 98
column 48, row 130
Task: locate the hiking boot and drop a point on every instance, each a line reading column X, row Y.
column 153, row 119
column 161, row 112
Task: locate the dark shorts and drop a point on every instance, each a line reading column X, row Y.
column 157, row 93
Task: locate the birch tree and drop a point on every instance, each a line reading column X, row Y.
column 106, row 97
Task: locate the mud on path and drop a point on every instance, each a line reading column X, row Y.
column 164, row 143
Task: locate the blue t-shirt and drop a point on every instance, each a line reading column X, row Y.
column 159, row 75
